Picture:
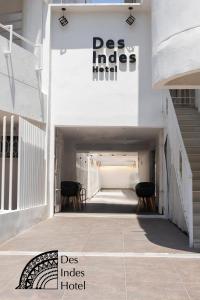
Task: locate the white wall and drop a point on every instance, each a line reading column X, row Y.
column 82, row 169
column 176, row 32
column 144, row 165
column 68, row 165
column 87, row 173
column 94, row 184
column 12, row 223
column 119, row 177
column 76, row 97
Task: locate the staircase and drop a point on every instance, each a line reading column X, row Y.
column 189, row 122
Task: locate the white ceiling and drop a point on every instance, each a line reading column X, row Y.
column 115, row 159
column 109, row 135
column 145, row 5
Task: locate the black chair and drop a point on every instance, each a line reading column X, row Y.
column 75, row 191
column 146, row 194
column 70, row 190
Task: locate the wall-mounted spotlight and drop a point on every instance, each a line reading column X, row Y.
column 63, row 20
column 130, row 20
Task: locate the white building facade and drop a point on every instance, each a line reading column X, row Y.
column 98, row 84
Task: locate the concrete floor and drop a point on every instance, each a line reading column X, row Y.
column 124, row 257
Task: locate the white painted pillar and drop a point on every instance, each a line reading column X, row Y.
column 19, row 164
column 11, row 162
column 3, row 165
column 51, row 183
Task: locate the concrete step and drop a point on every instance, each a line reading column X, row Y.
column 192, row 149
column 196, row 175
column 191, row 142
column 196, row 199
column 191, row 134
column 189, row 128
column 195, row 166
column 194, row 116
column 195, row 122
column 194, row 157
column 186, row 111
column 196, row 232
column 196, row 208
column 178, row 106
column 196, row 243
column 196, row 184
column 196, row 219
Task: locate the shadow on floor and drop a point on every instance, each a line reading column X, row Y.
column 165, row 234
column 104, row 208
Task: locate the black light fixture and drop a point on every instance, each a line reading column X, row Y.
column 130, row 20
column 63, row 20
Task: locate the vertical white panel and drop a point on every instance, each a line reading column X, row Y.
column 3, row 165
column 11, row 163
column 31, row 181
column 20, row 154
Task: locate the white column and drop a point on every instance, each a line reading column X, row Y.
column 11, row 162
column 3, row 165
column 19, row 165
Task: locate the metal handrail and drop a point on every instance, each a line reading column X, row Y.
column 8, row 28
column 38, row 53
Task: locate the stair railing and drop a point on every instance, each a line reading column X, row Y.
column 37, row 48
column 181, row 164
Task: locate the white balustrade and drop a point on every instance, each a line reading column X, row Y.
column 181, row 165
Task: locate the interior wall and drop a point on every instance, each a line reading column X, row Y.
column 68, row 165
column 121, row 177
column 144, row 166
column 94, row 183
column 82, row 169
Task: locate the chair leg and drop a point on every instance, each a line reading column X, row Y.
column 79, row 201
column 139, row 204
column 75, row 202
column 144, row 203
column 151, row 204
column 154, row 203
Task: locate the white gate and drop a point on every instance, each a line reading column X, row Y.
column 31, row 165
